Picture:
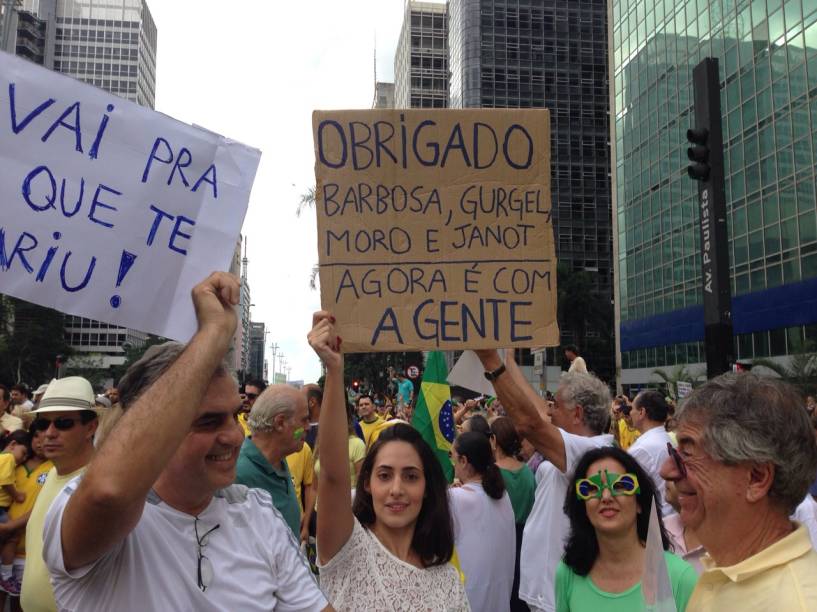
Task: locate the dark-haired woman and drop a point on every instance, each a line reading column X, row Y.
column 484, row 531
column 391, row 549
column 520, row 484
column 609, row 512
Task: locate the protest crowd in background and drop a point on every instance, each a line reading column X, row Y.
column 175, row 491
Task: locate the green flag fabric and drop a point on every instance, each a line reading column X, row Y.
column 434, row 414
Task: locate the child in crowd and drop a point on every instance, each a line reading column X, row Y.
column 16, row 447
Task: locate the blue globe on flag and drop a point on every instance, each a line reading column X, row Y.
column 445, row 421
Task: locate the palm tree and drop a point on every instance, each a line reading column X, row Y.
column 681, row 373
column 801, row 369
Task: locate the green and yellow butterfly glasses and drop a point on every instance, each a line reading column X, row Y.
column 617, row 484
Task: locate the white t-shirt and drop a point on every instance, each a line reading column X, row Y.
column 256, row 562
column 485, row 538
column 650, row 450
column 578, row 365
column 806, row 514
column 363, row 575
column 548, row 527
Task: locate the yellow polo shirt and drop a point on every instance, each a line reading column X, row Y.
column 242, row 420
column 29, row 482
column 7, row 466
column 626, row 434
column 37, row 594
column 782, row 577
column 302, row 469
column 369, row 428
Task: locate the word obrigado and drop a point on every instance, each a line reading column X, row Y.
column 361, row 145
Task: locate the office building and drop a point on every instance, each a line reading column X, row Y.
column 257, row 368
column 421, row 59
column 383, row 95
column 767, row 53
column 110, row 44
column 535, row 54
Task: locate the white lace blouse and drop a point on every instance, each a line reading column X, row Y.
column 366, row 576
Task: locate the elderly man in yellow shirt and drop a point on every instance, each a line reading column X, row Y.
column 302, row 469
column 745, row 459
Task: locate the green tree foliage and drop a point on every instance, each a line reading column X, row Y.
column 133, row 354
column 800, row 370
column 31, row 337
column 680, row 373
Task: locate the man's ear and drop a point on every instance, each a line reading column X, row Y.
column 760, row 480
column 278, row 421
column 578, row 414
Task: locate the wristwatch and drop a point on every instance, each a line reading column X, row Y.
column 492, row 376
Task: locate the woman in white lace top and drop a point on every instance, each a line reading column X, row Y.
column 392, row 549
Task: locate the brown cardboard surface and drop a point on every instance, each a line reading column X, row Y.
column 434, row 228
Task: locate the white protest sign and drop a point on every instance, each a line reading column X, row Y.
column 111, row 210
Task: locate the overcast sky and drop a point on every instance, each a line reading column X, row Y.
column 254, row 70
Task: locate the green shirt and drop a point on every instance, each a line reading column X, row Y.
column 576, row 593
column 521, row 486
column 254, row 471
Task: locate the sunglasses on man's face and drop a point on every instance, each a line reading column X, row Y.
column 61, row 423
column 617, row 484
column 251, row 395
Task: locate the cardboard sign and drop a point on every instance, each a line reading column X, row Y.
column 434, row 228
column 110, row 210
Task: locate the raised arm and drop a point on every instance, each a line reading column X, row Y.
column 109, row 501
column 522, row 404
column 335, row 523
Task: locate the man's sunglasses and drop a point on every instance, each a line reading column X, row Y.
column 251, row 395
column 617, row 484
column 61, row 423
column 679, row 460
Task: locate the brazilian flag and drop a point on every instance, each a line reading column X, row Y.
column 434, row 414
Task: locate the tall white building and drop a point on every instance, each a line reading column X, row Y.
column 421, row 59
column 110, row 44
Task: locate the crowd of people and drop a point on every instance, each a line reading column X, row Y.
column 176, row 491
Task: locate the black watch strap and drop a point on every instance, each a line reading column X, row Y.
column 492, row 376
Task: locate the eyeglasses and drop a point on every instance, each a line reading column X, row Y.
column 61, row 423
column 679, row 460
column 251, row 395
column 204, row 574
column 617, row 484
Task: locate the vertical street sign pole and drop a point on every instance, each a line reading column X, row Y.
column 706, row 153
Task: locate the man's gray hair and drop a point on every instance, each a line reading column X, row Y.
column 592, row 395
column 748, row 418
column 275, row 400
column 150, row 367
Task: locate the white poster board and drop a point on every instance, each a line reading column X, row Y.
column 111, row 210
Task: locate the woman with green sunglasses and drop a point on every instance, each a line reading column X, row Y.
column 609, row 511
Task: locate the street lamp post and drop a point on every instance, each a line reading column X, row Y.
column 274, row 349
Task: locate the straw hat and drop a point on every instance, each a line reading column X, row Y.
column 67, row 395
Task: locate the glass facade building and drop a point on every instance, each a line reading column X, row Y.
column 767, row 53
column 551, row 54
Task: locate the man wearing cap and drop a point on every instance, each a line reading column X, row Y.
column 156, row 523
column 67, row 418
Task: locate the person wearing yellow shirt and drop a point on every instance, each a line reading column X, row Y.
column 745, row 459
column 66, row 418
column 302, row 469
column 29, row 479
column 369, row 419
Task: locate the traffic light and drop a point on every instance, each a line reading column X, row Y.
column 698, row 153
